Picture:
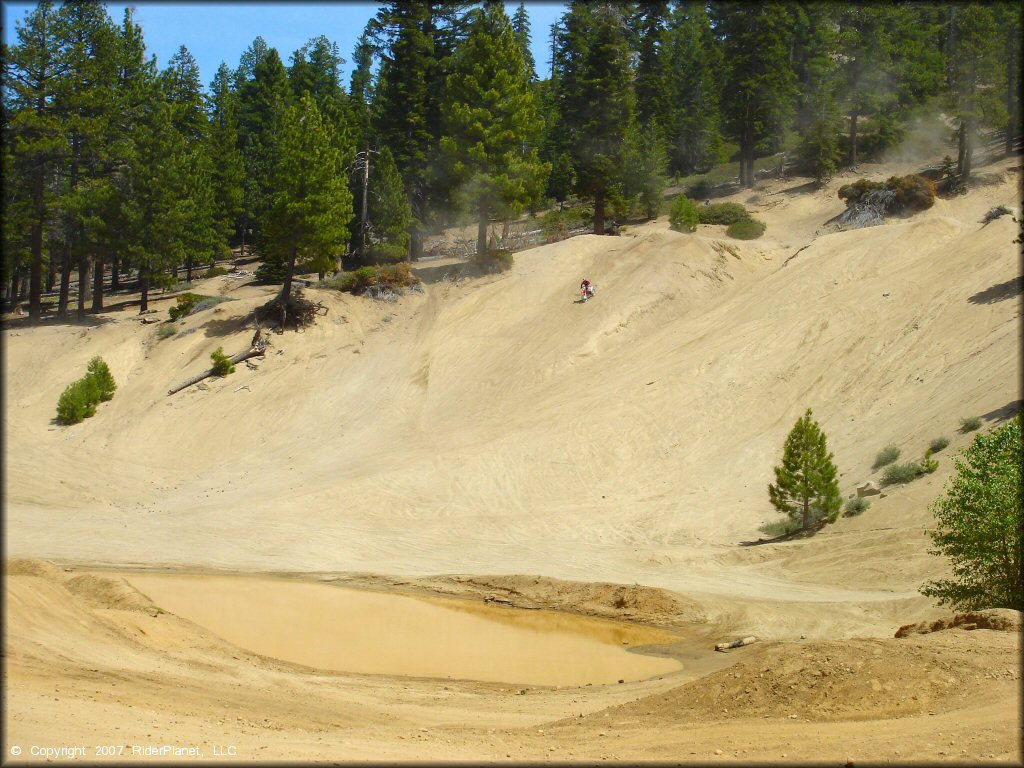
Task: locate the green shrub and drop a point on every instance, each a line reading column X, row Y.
column 222, row 364
column 79, row 399
column 392, row 275
column 184, row 305
column 928, row 464
column 914, row 192
column 938, row 444
column 190, row 303
column 851, row 193
column 683, row 216
column 748, row 229
column 166, row 330
column 775, row 528
column 558, row 224
column 855, row 507
column 99, row 374
column 496, row 258
column 73, row 404
column 887, row 455
column 970, row 424
column 722, row 213
column 901, row 473
column 215, row 272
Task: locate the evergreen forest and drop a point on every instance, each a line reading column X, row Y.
column 119, row 170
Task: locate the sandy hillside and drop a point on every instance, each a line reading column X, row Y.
column 489, row 438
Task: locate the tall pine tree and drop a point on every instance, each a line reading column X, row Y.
column 760, row 85
column 492, row 122
column 595, row 98
column 310, row 205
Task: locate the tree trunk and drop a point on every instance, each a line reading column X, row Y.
column 115, row 273
column 853, row 139
column 65, row 283
column 747, row 157
column 599, row 211
column 144, row 285
column 256, row 351
column 968, row 149
column 286, row 289
column 188, row 269
column 961, row 145
column 35, row 301
column 84, row 278
column 97, row 286
column 1011, row 89
column 51, row 276
column 481, row 230
column 807, row 513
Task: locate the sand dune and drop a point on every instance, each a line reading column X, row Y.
column 490, row 430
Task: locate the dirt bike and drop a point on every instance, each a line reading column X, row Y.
column 586, row 293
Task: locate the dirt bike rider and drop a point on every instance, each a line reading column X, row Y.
column 586, row 288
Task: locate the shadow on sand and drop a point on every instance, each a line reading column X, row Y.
column 1000, row 292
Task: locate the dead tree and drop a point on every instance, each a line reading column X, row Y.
column 257, row 348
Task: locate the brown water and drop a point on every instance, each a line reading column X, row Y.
column 351, row 630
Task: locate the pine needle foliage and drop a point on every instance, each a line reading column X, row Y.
column 806, row 487
column 79, row 399
column 222, row 364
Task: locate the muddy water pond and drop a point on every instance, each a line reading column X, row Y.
column 351, row 630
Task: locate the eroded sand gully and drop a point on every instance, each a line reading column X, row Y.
column 491, row 441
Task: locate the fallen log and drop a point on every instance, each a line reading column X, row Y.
column 736, row 643
column 258, row 349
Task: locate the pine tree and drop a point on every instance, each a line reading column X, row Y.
column 595, row 98
column 521, row 28
column 1008, row 19
column 180, row 82
column 388, row 213
column 31, row 75
column 645, row 165
column 310, row 205
column 975, row 77
column 651, row 84
column 867, row 64
column 760, row 86
column 492, row 122
column 246, row 70
column 156, row 202
column 262, row 101
column 694, row 123
column 818, row 116
column 228, row 171
column 806, row 488
column 400, row 105
column 316, row 70
column 361, row 88
column 134, row 90
column 202, row 239
column 85, row 102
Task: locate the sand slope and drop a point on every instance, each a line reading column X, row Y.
column 489, row 431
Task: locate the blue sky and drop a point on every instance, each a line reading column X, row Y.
column 215, row 32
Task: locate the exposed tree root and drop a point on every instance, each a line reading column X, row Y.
column 295, row 312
